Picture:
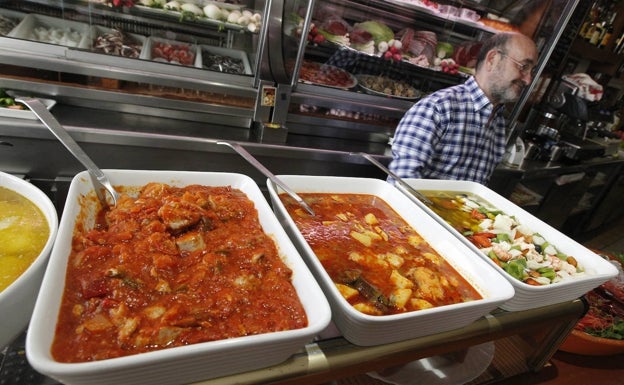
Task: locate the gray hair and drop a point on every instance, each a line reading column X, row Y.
column 497, row 41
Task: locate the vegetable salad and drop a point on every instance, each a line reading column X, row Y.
column 521, row 252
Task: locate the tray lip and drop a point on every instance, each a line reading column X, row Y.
column 534, row 222
column 339, row 184
column 46, row 308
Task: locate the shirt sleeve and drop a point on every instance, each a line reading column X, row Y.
column 415, row 138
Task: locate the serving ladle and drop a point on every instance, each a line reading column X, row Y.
column 260, row 167
column 396, row 178
column 98, row 178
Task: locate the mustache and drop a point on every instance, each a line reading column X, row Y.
column 520, row 83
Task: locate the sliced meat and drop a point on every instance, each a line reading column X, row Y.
column 190, row 241
column 177, row 215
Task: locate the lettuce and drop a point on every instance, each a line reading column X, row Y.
column 338, row 39
column 368, row 47
column 380, row 32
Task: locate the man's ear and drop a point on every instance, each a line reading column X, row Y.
column 491, row 59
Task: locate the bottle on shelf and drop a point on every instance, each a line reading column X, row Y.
column 596, row 33
column 608, row 31
column 588, row 23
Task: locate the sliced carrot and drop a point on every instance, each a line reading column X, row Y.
column 478, row 215
column 480, row 240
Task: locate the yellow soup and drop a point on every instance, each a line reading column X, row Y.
column 24, row 231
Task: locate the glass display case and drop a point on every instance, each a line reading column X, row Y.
column 181, row 59
column 366, row 62
column 174, row 102
column 331, row 73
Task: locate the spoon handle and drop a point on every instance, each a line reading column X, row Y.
column 400, row 181
column 260, row 167
column 40, row 110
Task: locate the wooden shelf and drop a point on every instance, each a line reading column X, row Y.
column 585, row 50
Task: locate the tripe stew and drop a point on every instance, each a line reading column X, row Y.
column 172, row 267
column 377, row 261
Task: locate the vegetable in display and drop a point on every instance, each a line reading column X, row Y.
column 605, row 316
column 522, row 253
column 6, row 101
column 379, row 31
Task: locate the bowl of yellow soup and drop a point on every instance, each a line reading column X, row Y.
column 28, row 226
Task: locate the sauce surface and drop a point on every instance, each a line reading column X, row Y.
column 377, row 261
column 24, row 231
column 172, row 267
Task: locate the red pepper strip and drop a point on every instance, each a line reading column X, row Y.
column 480, row 240
column 533, row 282
column 477, row 215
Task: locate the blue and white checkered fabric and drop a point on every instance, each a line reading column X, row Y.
column 449, row 135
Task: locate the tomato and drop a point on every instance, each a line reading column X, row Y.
column 480, row 240
column 478, row 215
column 173, row 53
column 592, row 321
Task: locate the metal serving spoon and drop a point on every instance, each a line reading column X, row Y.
column 260, row 167
column 397, row 179
column 99, row 179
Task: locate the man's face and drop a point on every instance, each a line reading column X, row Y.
column 513, row 71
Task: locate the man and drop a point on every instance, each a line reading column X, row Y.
column 459, row 132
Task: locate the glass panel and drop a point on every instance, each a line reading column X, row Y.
column 189, row 50
column 206, row 34
column 293, row 25
column 390, row 48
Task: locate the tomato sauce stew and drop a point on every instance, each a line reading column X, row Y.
column 174, row 266
column 378, row 262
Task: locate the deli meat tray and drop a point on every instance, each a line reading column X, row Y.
column 186, row 363
column 595, row 269
column 366, row 329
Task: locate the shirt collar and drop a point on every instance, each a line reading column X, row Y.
column 480, row 100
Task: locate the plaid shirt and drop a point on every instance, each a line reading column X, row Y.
column 449, row 135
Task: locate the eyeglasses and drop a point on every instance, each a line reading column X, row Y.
column 524, row 68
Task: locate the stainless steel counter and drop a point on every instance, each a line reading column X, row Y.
column 127, row 141
column 137, row 142
column 130, row 141
column 543, row 329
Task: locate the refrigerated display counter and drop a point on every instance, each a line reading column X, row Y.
column 139, row 113
column 242, row 77
column 524, row 341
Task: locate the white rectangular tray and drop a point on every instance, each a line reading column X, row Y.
column 17, row 16
column 178, row 365
column 97, row 31
column 146, row 52
column 26, row 27
column 25, row 113
column 598, row 270
column 367, row 330
column 233, row 53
